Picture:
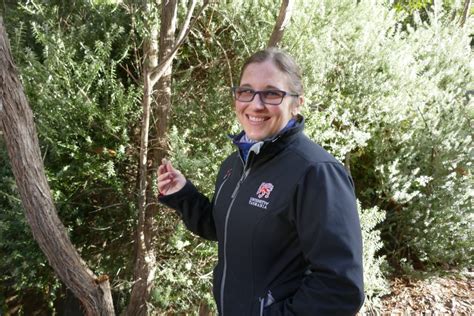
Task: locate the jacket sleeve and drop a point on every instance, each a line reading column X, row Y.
column 194, row 208
column 327, row 222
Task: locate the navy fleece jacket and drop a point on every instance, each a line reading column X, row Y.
column 288, row 232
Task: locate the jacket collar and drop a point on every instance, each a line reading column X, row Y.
column 275, row 143
column 297, row 127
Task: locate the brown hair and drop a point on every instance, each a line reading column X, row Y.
column 284, row 62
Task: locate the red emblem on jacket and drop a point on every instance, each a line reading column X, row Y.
column 264, row 190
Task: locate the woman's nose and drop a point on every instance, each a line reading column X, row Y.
column 257, row 102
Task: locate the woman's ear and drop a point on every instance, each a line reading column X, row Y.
column 301, row 100
column 297, row 106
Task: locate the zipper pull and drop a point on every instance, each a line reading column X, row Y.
column 262, row 301
column 242, row 178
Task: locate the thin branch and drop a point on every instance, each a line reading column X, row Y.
column 465, row 12
column 161, row 68
column 135, row 79
column 281, row 22
column 187, row 20
column 227, row 61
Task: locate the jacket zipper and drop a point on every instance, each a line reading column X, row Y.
column 266, row 301
column 224, row 271
column 262, row 301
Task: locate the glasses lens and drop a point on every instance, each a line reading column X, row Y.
column 244, row 94
column 273, row 96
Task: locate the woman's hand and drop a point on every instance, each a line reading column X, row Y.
column 170, row 180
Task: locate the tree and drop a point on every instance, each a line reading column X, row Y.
column 156, row 82
column 17, row 125
column 281, row 22
column 465, row 11
column 159, row 49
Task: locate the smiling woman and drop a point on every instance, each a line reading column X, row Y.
column 267, row 115
column 283, row 212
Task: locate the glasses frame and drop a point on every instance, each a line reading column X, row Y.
column 255, row 92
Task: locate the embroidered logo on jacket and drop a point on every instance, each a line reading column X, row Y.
column 263, row 192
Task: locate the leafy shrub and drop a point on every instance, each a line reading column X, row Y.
column 375, row 270
column 389, row 100
column 85, row 113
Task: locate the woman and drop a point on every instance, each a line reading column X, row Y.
column 283, row 213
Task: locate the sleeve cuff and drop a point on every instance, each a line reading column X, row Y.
column 184, row 192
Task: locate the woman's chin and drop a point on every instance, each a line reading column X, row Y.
column 256, row 136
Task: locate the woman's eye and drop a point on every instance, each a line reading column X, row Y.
column 273, row 94
column 245, row 92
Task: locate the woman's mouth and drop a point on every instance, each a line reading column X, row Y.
column 256, row 119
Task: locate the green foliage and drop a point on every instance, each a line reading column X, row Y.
column 375, row 270
column 392, row 105
column 184, row 276
column 415, row 6
column 429, row 176
column 18, row 250
column 85, row 111
column 412, row 5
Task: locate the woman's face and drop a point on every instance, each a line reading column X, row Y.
column 260, row 120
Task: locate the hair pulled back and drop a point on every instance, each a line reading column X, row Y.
column 284, row 62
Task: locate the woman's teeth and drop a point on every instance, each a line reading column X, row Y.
column 256, row 119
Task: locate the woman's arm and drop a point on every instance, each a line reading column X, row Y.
column 194, row 208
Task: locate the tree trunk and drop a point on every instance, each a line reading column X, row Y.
column 281, row 22
column 17, row 125
column 465, row 12
column 162, row 95
column 145, row 260
column 157, row 84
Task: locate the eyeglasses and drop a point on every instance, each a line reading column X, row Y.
column 270, row 97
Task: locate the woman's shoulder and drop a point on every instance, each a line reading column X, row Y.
column 229, row 162
column 231, row 158
column 312, row 153
column 317, row 163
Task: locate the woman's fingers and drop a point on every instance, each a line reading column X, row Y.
column 166, row 175
column 169, row 166
column 166, row 178
column 164, row 186
column 161, row 169
column 166, row 164
column 169, row 179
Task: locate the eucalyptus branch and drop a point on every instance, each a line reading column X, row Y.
column 227, row 62
column 281, row 22
column 161, row 68
column 465, row 12
column 187, row 20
